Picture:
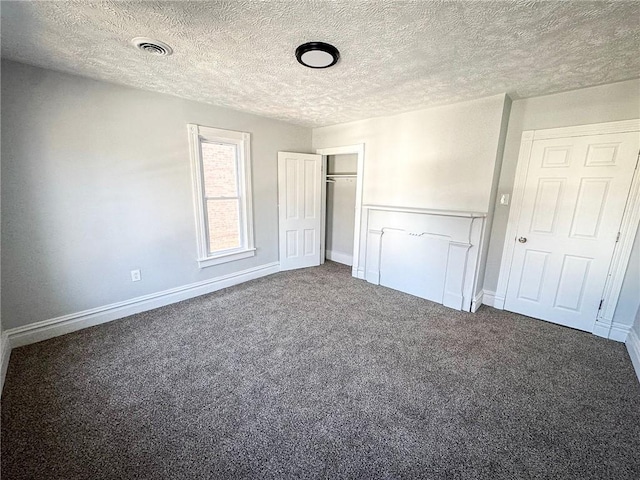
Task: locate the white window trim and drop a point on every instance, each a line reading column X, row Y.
column 198, row 133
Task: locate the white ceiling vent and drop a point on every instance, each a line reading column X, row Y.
column 153, row 47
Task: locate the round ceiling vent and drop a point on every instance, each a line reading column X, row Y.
column 152, row 47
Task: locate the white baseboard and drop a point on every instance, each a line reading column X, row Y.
column 339, row 257
column 601, row 329
column 613, row 331
column 372, row 276
column 619, row 332
column 36, row 332
column 477, row 301
column 488, row 298
column 5, row 353
column 492, row 299
column 633, row 346
column 358, row 273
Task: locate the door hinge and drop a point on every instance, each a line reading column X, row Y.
column 601, row 302
column 618, row 237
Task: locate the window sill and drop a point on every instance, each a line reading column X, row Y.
column 227, row 257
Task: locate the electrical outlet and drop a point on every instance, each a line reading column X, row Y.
column 135, row 276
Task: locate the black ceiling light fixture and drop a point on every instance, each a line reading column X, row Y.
column 317, row 55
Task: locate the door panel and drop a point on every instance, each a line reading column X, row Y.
column 299, row 200
column 545, row 209
column 592, row 199
column 572, row 283
column 535, row 264
column 574, row 198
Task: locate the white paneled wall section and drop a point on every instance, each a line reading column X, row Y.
column 432, row 254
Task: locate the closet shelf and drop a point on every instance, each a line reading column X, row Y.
column 341, row 175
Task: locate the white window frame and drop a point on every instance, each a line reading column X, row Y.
column 197, row 135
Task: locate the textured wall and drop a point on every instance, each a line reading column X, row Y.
column 607, row 103
column 96, row 181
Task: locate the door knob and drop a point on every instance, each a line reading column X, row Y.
column 522, row 240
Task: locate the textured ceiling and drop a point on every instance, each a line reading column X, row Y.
column 395, row 55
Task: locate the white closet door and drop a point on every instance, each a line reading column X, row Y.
column 299, row 209
column 575, row 194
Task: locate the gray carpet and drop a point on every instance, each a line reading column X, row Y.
column 313, row 374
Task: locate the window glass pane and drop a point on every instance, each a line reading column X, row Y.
column 220, row 170
column 224, row 224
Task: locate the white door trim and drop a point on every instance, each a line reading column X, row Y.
column 629, row 227
column 586, row 130
column 357, row 149
column 514, row 216
column 620, row 260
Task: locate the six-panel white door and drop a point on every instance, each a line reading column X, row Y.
column 574, row 199
column 300, row 209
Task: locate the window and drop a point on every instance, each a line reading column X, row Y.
column 221, row 167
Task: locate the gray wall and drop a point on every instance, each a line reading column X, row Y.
column 486, row 234
column 629, row 301
column 439, row 158
column 606, row 103
column 341, row 216
column 444, row 158
column 636, row 327
column 341, row 202
column 345, row 163
column 96, row 181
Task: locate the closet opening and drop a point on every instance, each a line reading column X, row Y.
column 342, row 205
